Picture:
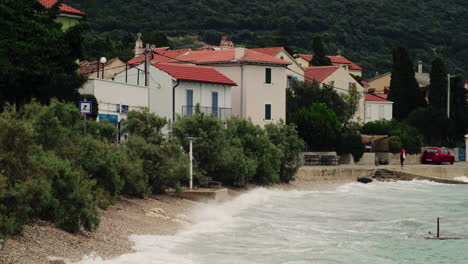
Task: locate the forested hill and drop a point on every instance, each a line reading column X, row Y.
column 365, row 30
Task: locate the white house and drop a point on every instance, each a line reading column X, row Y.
column 294, row 71
column 338, row 60
column 338, row 78
column 378, row 108
column 176, row 89
column 116, row 99
column 261, row 81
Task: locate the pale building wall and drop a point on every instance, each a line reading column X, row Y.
column 378, row 111
column 235, row 73
column 161, row 87
column 304, row 63
column 356, row 72
column 294, row 69
column 380, row 83
column 342, row 80
column 111, row 95
column 110, row 70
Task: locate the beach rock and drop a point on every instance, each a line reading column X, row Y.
column 364, row 180
column 57, row 260
column 158, row 213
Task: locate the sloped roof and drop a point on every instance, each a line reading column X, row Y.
column 63, row 7
column 160, row 55
column 378, row 76
column 336, row 60
column 88, row 68
column 319, row 73
column 376, row 98
column 228, row 56
column 185, row 72
column 272, row 51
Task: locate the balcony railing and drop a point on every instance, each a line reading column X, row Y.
column 218, row 112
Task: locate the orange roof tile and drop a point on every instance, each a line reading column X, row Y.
column 193, row 73
column 63, row 7
column 160, row 55
column 228, row 55
column 272, row 51
column 319, row 73
column 334, row 59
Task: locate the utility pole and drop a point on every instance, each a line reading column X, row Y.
column 448, row 94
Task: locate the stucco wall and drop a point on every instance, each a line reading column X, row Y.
column 341, row 80
column 111, row 95
column 380, row 83
column 110, row 70
column 373, row 111
column 295, row 68
column 67, row 21
column 253, row 93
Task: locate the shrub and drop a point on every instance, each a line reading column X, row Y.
column 379, row 127
column 352, row 144
column 394, row 144
column 318, row 126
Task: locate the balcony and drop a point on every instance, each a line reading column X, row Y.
column 220, row 113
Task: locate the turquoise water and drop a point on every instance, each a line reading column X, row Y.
column 357, row 223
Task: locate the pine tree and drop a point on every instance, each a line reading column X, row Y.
column 404, row 89
column 320, row 57
column 38, row 59
column 438, row 87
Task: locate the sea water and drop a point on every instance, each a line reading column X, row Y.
column 356, row 223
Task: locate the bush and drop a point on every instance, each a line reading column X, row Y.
column 394, row 144
column 380, row 127
column 352, row 144
column 318, row 126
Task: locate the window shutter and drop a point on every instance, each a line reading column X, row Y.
column 268, row 112
column 268, row 75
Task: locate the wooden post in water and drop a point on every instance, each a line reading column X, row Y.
column 437, row 227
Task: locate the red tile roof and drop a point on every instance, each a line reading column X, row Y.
column 89, row 67
column 334, row 59
column 376, row 98
column 228, row 56
column 185, row 72
column 160, row 55
column 272, row 51
column 63, row 7
column 320, row 73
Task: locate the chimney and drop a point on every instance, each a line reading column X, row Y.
column 138, row 46
column 376, row 74
column 239, row 53
column 420, row 70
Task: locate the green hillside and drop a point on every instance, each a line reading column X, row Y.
column 365, row 30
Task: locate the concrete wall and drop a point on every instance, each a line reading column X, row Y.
column 367, row 159
column 111, row 95
column 68, row 20
column 378, row 111
column 411, row 159
column 342, row 79
column 295, row 66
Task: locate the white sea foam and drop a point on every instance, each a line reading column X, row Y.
column 357, row 223
column 462, row 178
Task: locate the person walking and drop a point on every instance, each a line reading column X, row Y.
column 402, row 156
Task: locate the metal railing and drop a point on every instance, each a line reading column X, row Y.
column 221, row 113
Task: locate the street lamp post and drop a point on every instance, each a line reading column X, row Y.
column 191, row 139
column 103, row 60
column 448, row 94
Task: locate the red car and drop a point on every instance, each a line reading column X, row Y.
column 437, row 155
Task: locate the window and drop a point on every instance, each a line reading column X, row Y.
column 289, row 81
column 268, row 112
column 268, row 75
column 214, row 103
column 189, row 102
column 381, row 112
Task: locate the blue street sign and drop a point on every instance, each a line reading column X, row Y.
column 86, row 107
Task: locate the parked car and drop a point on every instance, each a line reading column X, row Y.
column 437, row 155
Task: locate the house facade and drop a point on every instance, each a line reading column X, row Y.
column 351, row 67
column 377, row 108
column 68, row 16
column 338, row 78
column 260, row 94
column 294, row 71
column 116, row 99
column 179, row 89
